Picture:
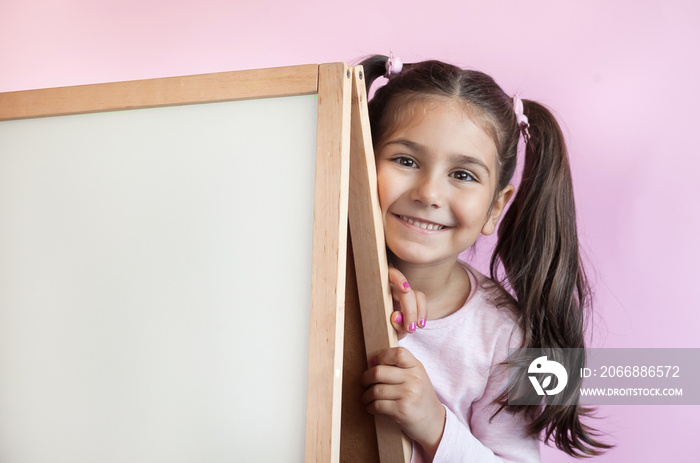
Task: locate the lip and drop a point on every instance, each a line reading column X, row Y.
column 401, row 218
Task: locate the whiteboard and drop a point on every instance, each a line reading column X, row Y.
column 154, row 283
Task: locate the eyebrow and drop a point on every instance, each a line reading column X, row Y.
column 455, row 158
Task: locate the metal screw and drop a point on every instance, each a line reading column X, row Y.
column 348, row 73
column 360, row 75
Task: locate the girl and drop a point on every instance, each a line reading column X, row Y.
column 445, row 141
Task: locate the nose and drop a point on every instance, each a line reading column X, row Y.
column 429, row 192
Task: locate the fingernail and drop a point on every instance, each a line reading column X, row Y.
column 406, row 285
column 399, row 319
column 412, row 327
column 373, row 361
column 422, row 322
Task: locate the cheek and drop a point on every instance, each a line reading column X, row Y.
column 472, row 209
column 386, row 188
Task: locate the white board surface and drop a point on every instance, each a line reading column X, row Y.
column 154, row 283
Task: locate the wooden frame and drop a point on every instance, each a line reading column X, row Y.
column 169, row 91
column 341, row 112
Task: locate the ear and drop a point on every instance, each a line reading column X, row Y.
column 497, row 209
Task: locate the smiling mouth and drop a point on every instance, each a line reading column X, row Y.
column 424, row 225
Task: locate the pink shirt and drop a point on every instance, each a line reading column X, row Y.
column 461, row 353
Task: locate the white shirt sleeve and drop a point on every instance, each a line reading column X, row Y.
column 501, row 439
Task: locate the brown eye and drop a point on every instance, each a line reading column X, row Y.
column 463, row 176
column 405, row 161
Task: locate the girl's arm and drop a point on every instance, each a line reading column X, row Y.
column 480, row 438
column 399, row 387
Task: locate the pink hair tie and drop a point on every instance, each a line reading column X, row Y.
column 523, row 122
column 393, row 66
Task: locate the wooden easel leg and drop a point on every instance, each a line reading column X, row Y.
column 367, row 230
column 358, row 438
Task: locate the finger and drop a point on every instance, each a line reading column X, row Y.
column 383, row 407
column 381, row 392
column 385, row 374
column 404, row 299
column 396, row 356
column 421, row 309
column 408, row 305
column 398, row 281
column 396, row 320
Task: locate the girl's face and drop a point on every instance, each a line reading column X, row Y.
column 437, row 174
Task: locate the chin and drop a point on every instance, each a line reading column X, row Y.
column 414, row 256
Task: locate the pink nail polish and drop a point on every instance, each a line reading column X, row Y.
column 412, row 327
column 406, row 285
column 422, row 322
column 373, row 361
column 399, row 318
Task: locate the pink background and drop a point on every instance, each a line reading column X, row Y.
column 622, row 75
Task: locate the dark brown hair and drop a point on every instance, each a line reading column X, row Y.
column 537, row 246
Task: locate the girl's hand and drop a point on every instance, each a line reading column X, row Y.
column 399, row 387
column 410, row 306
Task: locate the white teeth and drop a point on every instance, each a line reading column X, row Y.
column 426, row 226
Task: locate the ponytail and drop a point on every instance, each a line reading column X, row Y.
column 374, row 67
column 537, row 240
column 539, row 251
